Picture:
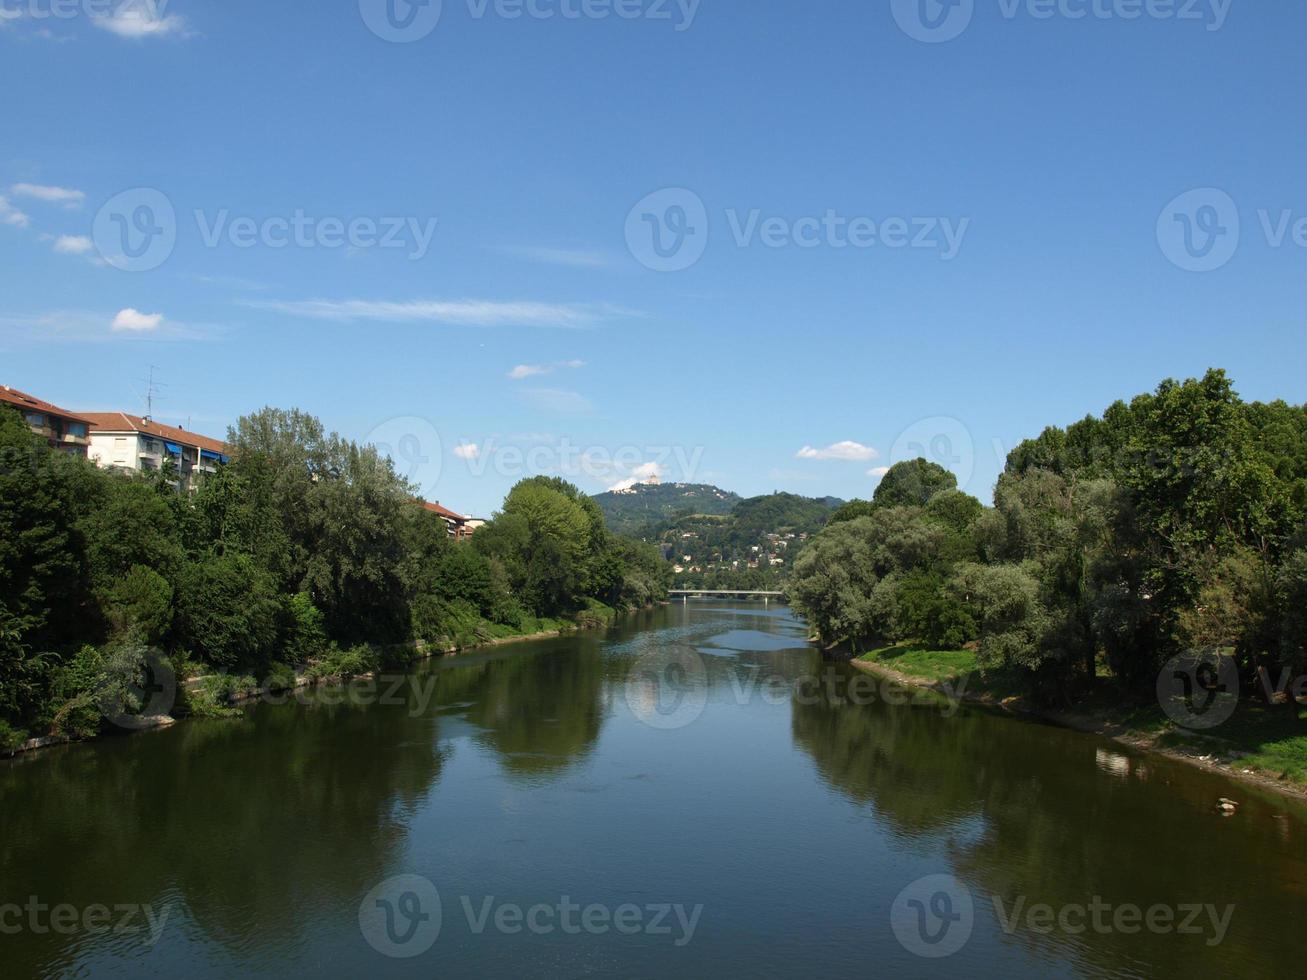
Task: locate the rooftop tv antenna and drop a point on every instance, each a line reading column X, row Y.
column 152, row 393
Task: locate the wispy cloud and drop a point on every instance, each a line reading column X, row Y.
column 73, row 245
column 847, row 450
column 10, row 215
column 66, row 196
column 232, row 282
column 878, row 471
column 558, row 401
column 467, row 450
column 576, row 258
column 135, row 321
column 90, row 327
column 137, row 19
column 466, row 312
column 534, row 370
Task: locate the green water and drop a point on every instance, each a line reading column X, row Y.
column 697, row 777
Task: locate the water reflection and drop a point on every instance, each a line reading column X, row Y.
column 1027, row 814
column 246, row 830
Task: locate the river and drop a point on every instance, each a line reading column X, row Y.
column 691, row 794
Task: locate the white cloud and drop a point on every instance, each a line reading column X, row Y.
column 73, row 245
column 468, row 450
column 878, row 471
column 66, row 196
column 641, row 474
column 575, row 258
column 468, row 312
column 141, row 19
column 847, row 450
column 10, row 215
column 533, row 370
column 135, row 321
column 558, row 400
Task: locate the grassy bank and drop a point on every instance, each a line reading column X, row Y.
column 1263, row 742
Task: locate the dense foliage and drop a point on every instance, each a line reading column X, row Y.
column 1171, row 523
column 306, row 550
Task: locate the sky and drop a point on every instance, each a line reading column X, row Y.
column 769, row 245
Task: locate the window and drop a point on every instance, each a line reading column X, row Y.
column 77, row 429
column 35, row 418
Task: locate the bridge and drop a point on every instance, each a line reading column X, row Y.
column 685, row 595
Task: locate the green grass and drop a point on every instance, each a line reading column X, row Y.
column 932, row 665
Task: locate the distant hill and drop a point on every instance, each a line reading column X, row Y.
column 657, row 504
column 715, row 538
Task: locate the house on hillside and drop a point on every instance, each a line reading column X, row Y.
column 64, row 430
column 129, row 442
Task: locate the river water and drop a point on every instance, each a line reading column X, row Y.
column 692, row 794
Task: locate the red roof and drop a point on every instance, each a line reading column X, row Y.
column 122, row 422
column 444, row 512
column 30, row 403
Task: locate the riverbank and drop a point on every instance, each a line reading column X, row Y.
column 1261, row 746
column 219, row 695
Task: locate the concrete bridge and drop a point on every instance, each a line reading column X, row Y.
column 685, row 595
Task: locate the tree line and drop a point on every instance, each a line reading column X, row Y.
column 1172, row 523
column 307, row 550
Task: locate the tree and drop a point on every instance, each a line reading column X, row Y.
column 912, row 483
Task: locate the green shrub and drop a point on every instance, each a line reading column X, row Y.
column 306, row 630
column 11, row 738
column 281, row 677
column 141, row 601
column 358, row 660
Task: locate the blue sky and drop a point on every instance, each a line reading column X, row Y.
column 788, row 155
